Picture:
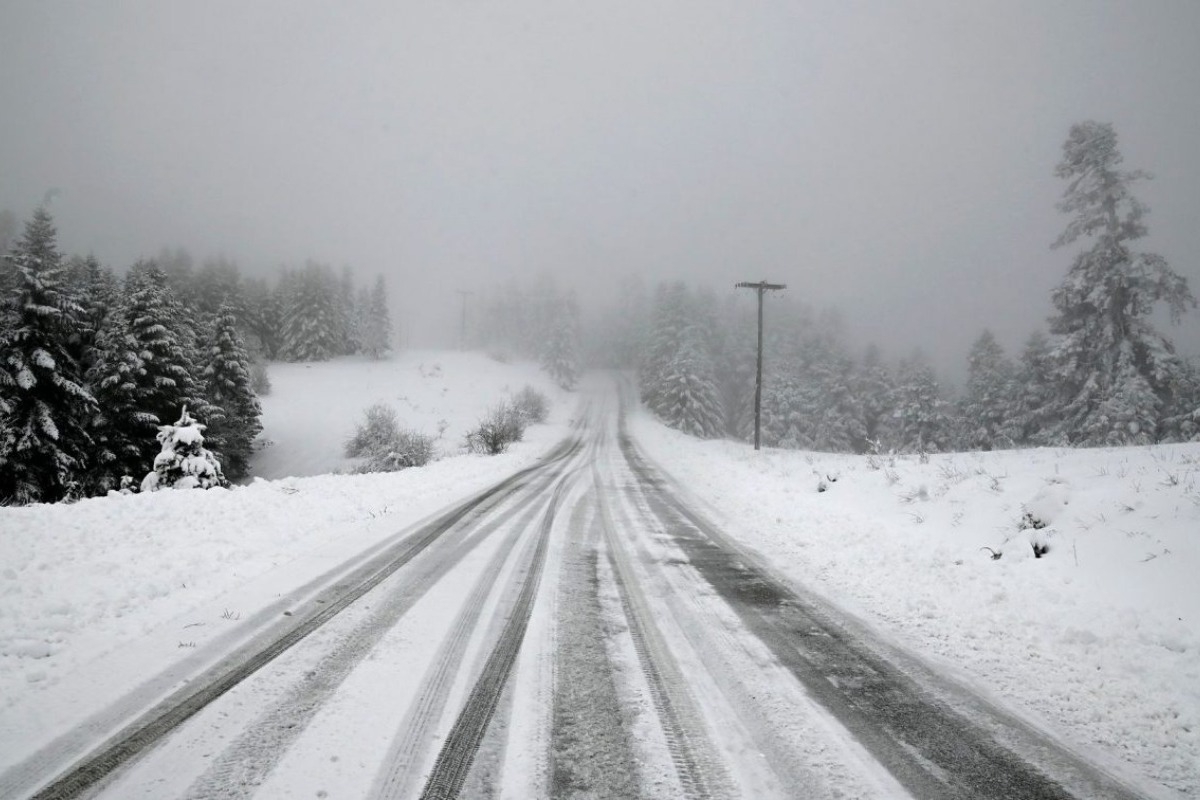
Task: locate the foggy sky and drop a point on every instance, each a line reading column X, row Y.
column 893, row 159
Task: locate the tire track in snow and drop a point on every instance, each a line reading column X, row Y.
column 458, row 751
column 692, row 754
column 590, row 752
column 150, row 728
column 930, row 748
column 245, row 763
column 401, row 768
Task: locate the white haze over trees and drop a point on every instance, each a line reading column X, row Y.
column 1106, row 377
column 893, row 160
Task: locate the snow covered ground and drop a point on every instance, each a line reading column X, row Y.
column 1098, row 640
column 78, row 582
column 313, row 408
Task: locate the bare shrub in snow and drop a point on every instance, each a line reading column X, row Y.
column 379, row 426
column 532, row 405
column 386, row 447
column 502, row 426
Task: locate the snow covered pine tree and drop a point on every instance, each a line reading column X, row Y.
column 560, row 348
column 235, row 418
column 44, row 405
column 184, row 463
column 1120, row 377
column 145, row 371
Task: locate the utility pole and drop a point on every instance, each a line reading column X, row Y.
column 762, row 287
column 462, row 325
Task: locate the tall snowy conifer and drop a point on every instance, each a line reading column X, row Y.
column 560, row 348
column 262, row 316
column 95, row 288
column 667, row 327
column 875, row 388
column 375, row 324
column 676, row 375
column 145, row 375
column 312, row 321
column 920, row 422
column 236, row 418
column 988, row 402
column 1118, row 374
column 44, row 405
column 833, row 410
column 1032, row 421
column 687, row 397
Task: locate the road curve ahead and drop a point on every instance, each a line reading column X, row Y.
column 579, row 630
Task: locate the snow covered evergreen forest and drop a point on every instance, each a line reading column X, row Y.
column 93, row 365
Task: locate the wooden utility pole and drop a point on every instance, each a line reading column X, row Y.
column 762, row 287
column 462, row 325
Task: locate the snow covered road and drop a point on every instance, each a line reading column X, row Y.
column 576, row 630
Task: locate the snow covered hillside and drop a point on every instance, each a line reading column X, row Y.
column 1098, row 640
column 80, row 581
column 313, row 408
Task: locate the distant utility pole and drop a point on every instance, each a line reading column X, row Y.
column 462, row 325
column 762, row 287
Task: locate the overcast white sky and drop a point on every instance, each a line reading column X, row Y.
column 894, row 159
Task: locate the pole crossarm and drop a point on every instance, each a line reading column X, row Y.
column 762, row 287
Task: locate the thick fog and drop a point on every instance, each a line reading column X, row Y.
column 892, row 159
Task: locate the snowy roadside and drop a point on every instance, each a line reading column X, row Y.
column 313, row 408
column 1098, row 641
column 79, row 582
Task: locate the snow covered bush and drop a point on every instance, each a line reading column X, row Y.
column 184, row 463
column 379, row 426
column 502, row 426
column 532, row 405
column 384, row 446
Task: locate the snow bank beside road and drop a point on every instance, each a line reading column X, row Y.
column 77, row 581
column 1099, row 639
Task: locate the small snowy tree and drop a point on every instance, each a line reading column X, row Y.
column 1118, row 373
column 183, row 462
